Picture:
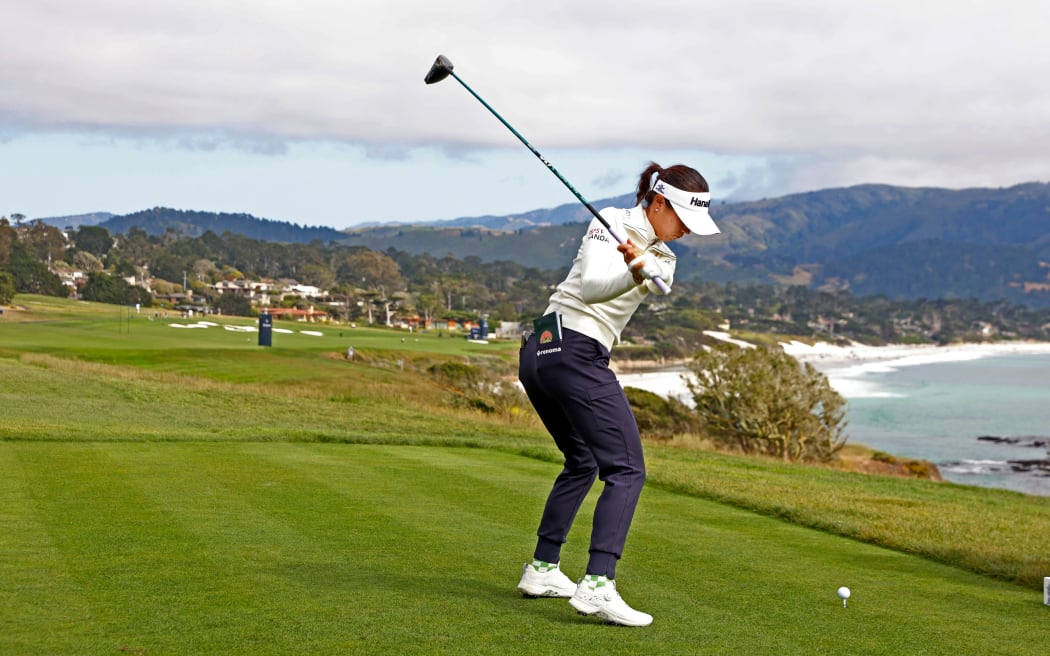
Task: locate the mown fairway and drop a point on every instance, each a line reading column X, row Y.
column 182, row 491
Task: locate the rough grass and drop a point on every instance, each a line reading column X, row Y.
column 994, row 532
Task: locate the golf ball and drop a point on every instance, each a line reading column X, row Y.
column 844, row 592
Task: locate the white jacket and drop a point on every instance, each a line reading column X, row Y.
column 599, row 296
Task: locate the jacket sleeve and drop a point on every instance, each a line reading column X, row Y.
column 603, row 273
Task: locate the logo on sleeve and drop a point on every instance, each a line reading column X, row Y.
column 597, row 234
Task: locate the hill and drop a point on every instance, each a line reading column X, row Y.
column 78, row 220
column 904, row 243
column 194, row 224
column 568, row 213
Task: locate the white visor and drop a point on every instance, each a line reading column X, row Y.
column 690, row 206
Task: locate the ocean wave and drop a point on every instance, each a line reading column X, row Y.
column 976, row 467
column 986, row 467
column 891, row 365
column 854, row 388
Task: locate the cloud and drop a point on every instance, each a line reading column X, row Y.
column 938, row 92
column 611, row 180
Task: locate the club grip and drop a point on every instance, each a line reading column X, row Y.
column 645, row 264
column 661, row 285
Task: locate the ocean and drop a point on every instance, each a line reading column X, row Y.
column 982, row 416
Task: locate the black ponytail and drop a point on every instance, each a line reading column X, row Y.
column 679, row 175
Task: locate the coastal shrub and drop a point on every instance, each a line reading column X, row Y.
column 483, row 389
column 882, row 456
column 923, row 469
column 456, row 374
column 660, row 418
column 761, row 400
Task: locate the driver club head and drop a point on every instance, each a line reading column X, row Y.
column 439, row 71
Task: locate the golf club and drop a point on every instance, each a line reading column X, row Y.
column 442, row 68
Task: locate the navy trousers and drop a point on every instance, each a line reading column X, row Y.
column 585, row 410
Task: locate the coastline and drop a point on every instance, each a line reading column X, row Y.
column 845, row 362
column 848, row 367
column 828, row 355
column 845, row 366
column 987, row 440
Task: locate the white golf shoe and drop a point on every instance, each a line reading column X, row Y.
column 597, row 595
column 545, row 580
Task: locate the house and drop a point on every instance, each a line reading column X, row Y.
column 304, row 291
column 295, row 314
column 256, row 291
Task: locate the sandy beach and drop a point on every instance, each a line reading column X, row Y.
column 986, row 429
column 825, row 354
column 847, row 366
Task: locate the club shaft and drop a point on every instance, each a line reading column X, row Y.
column 620, row 239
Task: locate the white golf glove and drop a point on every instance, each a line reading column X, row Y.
column 646, row 265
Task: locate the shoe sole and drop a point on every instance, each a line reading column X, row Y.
column 538, row 593
column 583, row 608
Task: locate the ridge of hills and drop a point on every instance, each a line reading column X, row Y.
column 901, row 242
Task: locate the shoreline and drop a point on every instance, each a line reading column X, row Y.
column 832, row 356
column 859, row 373
column 826, row 356
column 847, row 367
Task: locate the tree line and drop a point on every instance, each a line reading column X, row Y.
column 367, row 285
column 749, row 400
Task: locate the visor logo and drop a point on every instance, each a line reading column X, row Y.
column 699, row 202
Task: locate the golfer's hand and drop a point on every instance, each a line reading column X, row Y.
column 631, row 254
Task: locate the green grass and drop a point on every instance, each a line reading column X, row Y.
column 318, row 548
column 175, row 491
column 994, row 532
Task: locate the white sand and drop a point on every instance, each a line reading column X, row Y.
column 846, row 366
column 826, row 354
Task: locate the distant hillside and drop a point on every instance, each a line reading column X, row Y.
column 160, row 219
column 547, row 248
column 836, row 223
column 900, row 242
column 871, row 239
column 563, row 214
column 77, row 220
column 573, row 212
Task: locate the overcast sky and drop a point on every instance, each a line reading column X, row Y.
column 315, row 111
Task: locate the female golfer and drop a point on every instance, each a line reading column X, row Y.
column 564, row 368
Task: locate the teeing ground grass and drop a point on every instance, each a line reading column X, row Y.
column 229, row 548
